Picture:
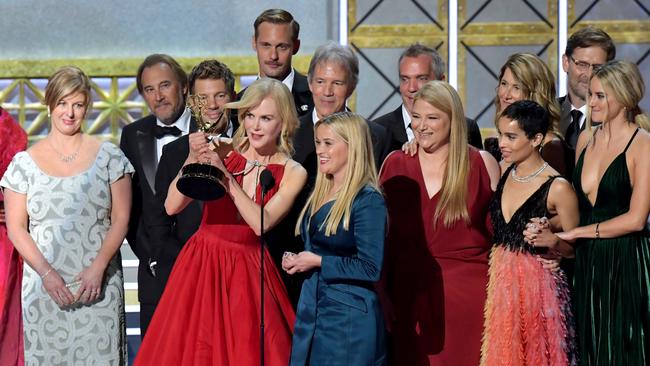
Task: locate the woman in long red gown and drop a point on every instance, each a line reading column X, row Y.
column 13, row 139
column 436, row 262
column 209, row 313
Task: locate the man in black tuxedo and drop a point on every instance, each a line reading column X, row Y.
column 417, row 65
column 275, row 42
column 163, row 84
column 585, row 49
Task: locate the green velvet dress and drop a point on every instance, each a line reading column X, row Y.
column 612, row 277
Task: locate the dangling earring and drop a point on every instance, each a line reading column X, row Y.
column 48, row 112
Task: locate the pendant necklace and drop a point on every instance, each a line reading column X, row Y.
column 67, row 159
column 527, row 178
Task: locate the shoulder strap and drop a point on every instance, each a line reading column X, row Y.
column 631, row 139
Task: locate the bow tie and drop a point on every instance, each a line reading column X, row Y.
column 160, row 131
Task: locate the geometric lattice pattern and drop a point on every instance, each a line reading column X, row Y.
column 116, row 103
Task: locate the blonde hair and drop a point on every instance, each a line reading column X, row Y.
column 624, row 81
column 537, row 82
column 64, row 82
column 359, row 172
column 453, row 193
column 253, row 96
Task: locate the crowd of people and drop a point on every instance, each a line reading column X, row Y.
column 398, row 241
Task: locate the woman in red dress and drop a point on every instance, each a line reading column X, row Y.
column 209, row 313
column 13, row 140
column 436, row 263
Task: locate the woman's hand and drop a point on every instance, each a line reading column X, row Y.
column 198, row 145
column 301, row 262
column 550, row 261
column 90, row 279
column 55, row 287
column 410, row 147
column 568, row 236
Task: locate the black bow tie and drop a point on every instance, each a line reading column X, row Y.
column 160, row 131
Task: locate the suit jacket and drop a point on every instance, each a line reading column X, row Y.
column 301, row 94
column 565, row 115
column 394, row 123
column 341, row 291
column 139, row 145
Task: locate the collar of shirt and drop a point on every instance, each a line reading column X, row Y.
column 583, row 110
column 182, row 123
column 288, row 81
column 407, row 123
column 314, row 116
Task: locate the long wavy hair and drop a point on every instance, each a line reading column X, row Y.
column 453, row 193
column 253, row 96
column 624, row 81
column 537, row 83
column 359, row 172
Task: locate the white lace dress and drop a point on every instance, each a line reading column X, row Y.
column 68, row 220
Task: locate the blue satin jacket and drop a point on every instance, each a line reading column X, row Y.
column 339, row 319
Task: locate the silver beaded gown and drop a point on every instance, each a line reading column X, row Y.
column 68, row 220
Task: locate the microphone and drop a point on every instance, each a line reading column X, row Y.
column 266, row 180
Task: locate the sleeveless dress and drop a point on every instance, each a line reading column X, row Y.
column 528, row 317
column 13, row 140
column 434, row 277
column 68, row 220
column 209, row 313
column 612, row 276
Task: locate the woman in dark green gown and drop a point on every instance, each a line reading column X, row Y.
column 612, row 181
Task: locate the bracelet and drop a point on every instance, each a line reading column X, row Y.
column 46, row 273
column 597, row 231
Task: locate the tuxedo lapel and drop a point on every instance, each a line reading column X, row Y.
column 304, row 139
column 399, row 131
column 147, row 151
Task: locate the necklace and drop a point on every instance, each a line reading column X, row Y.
column 527, row 178
column 67, row 159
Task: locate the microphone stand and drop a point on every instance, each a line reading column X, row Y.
column 262, row 277
column 267, row 182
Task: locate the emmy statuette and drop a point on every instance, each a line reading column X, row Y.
column 202, row 181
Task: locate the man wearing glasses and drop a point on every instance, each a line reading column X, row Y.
column 587, row 48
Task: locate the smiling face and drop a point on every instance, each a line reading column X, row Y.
column 263, row 125
column 413, row 73
column 579, row 67
column 509, row 90
column 332, row 151
column 603, row 103
column 515, row 146
column 215, row 94
column 431, row 125
column 275, row 46
column 330, row 88
column 68, row 113
column 163, row 93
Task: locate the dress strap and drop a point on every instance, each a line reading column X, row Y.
column 630, row 142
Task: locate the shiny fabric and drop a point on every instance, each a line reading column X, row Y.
column 209, row 313
column 528, row 318
column 12, row 140
column 339, row 318
column 612, row 277
column 435, row 278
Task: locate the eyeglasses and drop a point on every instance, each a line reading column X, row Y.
column 582, row 65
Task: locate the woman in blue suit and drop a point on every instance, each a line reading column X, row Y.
column 339, row 319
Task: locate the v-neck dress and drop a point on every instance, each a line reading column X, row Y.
column 435, row 276
column 612, row 276
column 528, row 317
